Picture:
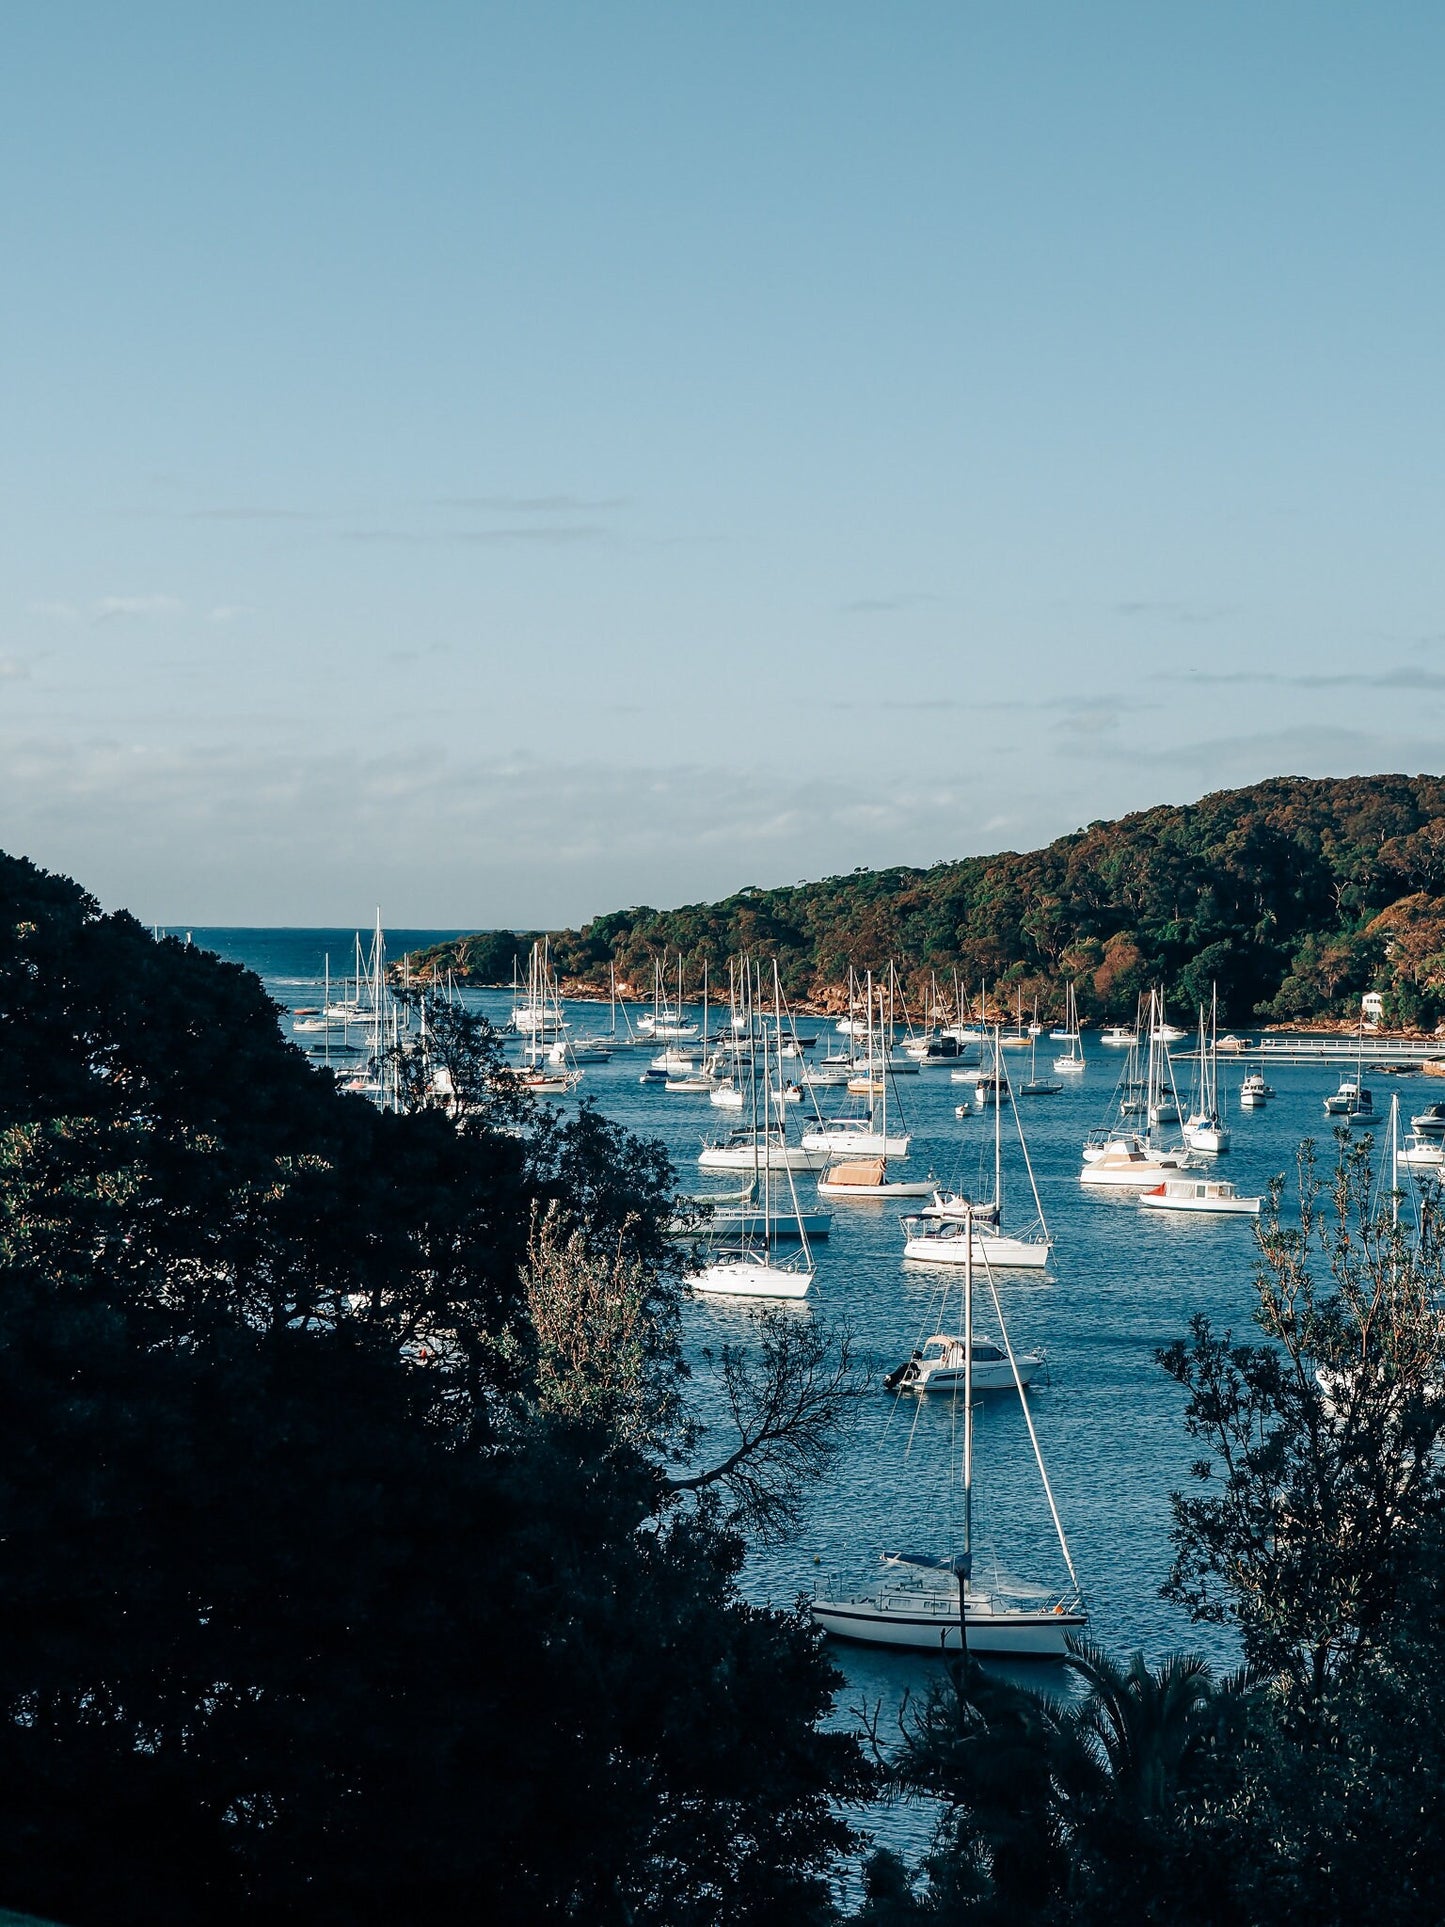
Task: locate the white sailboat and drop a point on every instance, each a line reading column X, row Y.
column 752, row 1268
column 939, row 1237
column 865, row 1175
column 934, row 1602
column 1204, row 1130
column 1070, row 1063
column 1122, row 1158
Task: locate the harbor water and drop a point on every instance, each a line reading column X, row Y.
column 1122, row 1283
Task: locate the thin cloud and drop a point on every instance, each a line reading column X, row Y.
column 138, row 607
column 1400, row 677
column 251, row 514
column 54, row 611
column 887, row 605
column 14, row 669
column 532, row 504
column 554, row 536
column 1176, row 611
column 228, row 612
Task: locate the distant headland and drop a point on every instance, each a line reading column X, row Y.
column 1295, row 895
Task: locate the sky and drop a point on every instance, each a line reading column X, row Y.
column 504, row 463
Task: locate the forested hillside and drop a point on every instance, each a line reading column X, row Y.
column 1295, row 895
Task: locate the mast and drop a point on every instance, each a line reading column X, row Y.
column 997, row 1126
column 963, row 1564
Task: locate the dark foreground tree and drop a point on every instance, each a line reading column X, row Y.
column 1323, row 1465
column 1102, row 1807
column 317, row 1602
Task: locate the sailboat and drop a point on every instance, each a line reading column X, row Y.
column 1118, row 1157
column 938, row 1236
column 866, row 1175
column 1203, row 1128
column 850, row 1134
column 932, row 1602
column 752, row 1269
column 1070, row 1063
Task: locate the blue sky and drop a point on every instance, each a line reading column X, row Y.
column 508, row 462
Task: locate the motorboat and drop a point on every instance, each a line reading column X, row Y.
column 1216, row 1196
column 1352, row 1100
column 1119, row 1037
column 1423, row 1153
column 953, row 1205
column 938, row 1366
column 1125, row 1159
column 1430, row 1122
column 1254, row 1092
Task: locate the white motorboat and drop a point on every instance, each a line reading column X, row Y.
column 689, row 1084
column 1430, row 1122
column 1254, row 1092
column 1351, row 1101
column 1124, row 1159
column 953, row 1205
column 1119, row 1037
column 1215, row 1196
column 933, row 1602
column 1421, row 1153
column 939, row 1366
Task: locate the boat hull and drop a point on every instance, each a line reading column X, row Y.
column 899, row 1188
column 743, row 1157
column 750, row 1278
column 912, row 1623
column 1002, row 1254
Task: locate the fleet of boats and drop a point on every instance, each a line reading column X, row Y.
column 756, row 1242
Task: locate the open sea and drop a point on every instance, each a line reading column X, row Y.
column 1123, row 1282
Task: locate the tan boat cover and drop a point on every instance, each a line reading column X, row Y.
column 858, row 1171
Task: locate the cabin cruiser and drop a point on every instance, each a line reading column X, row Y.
column 939, row 1367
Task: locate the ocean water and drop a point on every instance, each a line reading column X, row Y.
column 1123, row 1283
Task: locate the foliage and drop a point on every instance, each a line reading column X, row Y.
column 1323, row 1461
column 1291, row 894
column 1056, row 1808
column 319, row 1598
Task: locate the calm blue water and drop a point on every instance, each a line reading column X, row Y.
column 1123, row 1283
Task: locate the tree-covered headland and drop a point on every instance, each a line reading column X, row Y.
column 1293, row 895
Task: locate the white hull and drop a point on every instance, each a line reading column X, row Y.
column 746, row 1157
column 751, row 1278
column 859, row 1143
column 1004, row 1254
column 894, row 1188
column 1211, row 1207
column 1130, row 1173
column 1207, row 1137
column 747, row 1226
column 906, row 1620
column 727, row 1097
column 1069, row 1066
column 986, row 1378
